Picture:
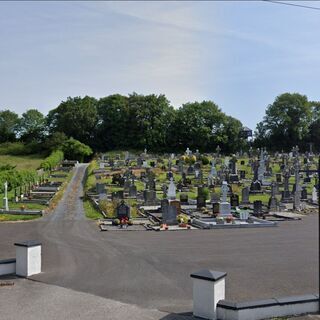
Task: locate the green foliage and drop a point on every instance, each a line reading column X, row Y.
column 8, row 125
column 52, row 161
column 16, row 178
column 205, row 160
column 17, row 148
column 204, row 192
column 75, row 150
column 31, row 126
column 287, row 123
column 76, row 117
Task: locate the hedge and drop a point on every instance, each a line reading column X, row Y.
column 52, row 161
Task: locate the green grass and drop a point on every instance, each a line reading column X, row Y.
column 90, row 211
column 27, row 206
column 22, row 162
column 18, row 217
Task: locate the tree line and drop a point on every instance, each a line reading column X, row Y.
column 149, row 121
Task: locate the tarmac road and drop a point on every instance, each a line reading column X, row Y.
column 152, row 269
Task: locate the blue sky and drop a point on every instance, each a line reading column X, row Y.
column 241, row 55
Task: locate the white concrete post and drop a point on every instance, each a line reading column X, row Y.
column 28, row 258
column 208, row 290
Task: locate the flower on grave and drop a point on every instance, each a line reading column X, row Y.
column 116, row 222
column 22, row 207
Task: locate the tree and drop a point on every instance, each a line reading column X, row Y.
column 55, row 141
column 200, row 125
column 75, row 150
column 8, row 125
column 31, row 126
column 151, row 118
column 76, row 117
column 114, row 119
column 286, row 122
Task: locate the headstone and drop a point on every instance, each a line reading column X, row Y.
column 242, row 174
column 123, row 211
column 150, row 197
column 132, row 191
column 278, row 177
column 257, row 208
column 225, row 207
column 215, row 207
column 171, row 190
column 215, row 197
column 304, row 193
column 314, row 195
column 169, row 215
column 234, row 200
column 100, row 188
column 190, row 170
column 201, row 202
column 177, row 204
column 184, row 199
column 245, row 195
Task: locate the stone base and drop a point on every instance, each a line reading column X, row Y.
column 224, row 209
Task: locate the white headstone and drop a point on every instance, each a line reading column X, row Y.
column 171, row 190
column 314, row 195
column 224, row 191
column 188, row 152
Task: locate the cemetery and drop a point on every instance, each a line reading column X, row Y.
column 31, row 193
column 191, row 190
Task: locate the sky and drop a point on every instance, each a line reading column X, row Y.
column 239, row 54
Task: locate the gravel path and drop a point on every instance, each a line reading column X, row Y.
column 71, row 207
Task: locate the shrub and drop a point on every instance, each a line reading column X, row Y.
column 204, row 160
column 52, row 161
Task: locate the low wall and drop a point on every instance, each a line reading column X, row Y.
column 7, row 266
column 270, row 308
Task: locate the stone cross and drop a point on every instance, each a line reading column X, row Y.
column 5, row 199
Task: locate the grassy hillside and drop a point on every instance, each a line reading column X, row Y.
column 22, row 162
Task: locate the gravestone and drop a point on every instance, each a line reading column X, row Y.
column 139, row 162
column 214, row 197
column 169, row 215
column 225, row 207
column 242, row 174
column 132, row 191
column 234, row 200
column 190, row 170
column 273, row 201
column 314, row 195
column 164, row 203
column 201, row 202
column 255, row 186
column 177, row 204
column 278, row 177
column 171, row 190
column 184, row 199
column 304, row 193
column 123, row 211
column 126, row 185
column 100, row 188
column 150, row 197
column 257, row 208
column 245, row 195
column 215, row 208
column 233, row 178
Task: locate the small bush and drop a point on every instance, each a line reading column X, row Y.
column 205, row 160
